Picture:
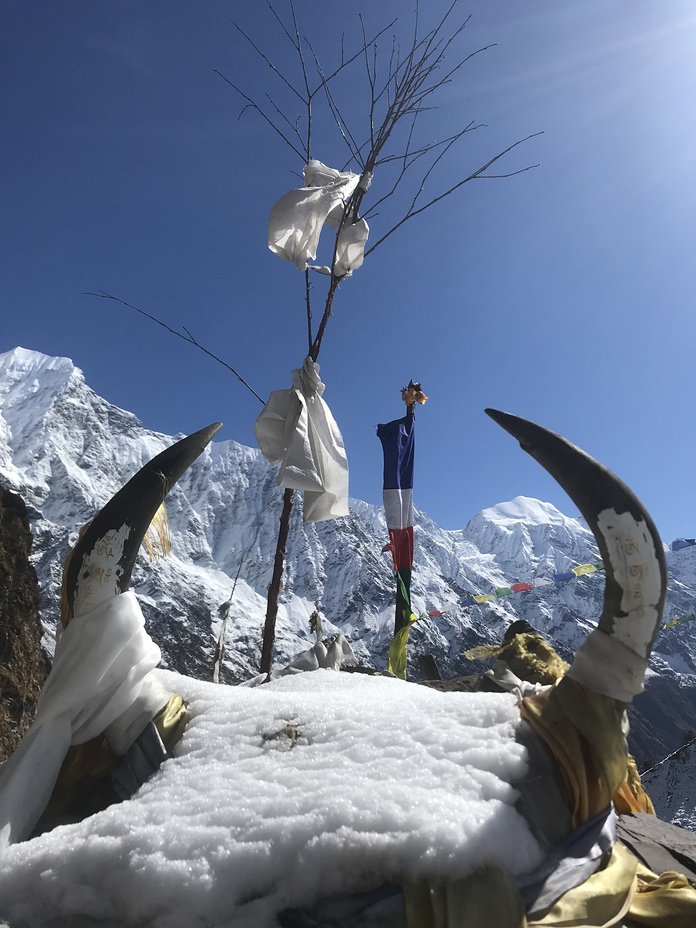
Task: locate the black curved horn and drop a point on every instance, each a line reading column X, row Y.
column 629, row 543
column 102, row 561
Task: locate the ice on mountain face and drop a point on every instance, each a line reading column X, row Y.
column 277, row 796
column 75, row 450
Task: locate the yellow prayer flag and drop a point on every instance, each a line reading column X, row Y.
column 584, row 569
column 397, row 649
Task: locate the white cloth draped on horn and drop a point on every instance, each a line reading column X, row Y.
column 101, row 682
column 297, row 430
column 297, row 219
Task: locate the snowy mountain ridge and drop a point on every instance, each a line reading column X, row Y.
column 66, row 450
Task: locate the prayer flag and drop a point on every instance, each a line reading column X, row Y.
column 584, row 569
column 397, row 439
column 398, row 446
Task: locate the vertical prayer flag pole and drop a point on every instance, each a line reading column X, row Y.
column 398, row 443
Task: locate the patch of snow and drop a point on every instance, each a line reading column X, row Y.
column 315, row 784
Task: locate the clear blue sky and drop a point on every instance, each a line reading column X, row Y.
column 565, row 294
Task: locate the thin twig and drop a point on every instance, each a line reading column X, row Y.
column 308, row 304
column 305, row 78
column 254, row 106
column 268, row 61
column 475, row 175
column 187, row 337
column 224, row 611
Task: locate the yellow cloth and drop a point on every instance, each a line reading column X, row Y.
column 171, row 721
column 397, row 649
column 664, row 901
column 583, row 731
column 630, row 796
column 600, row 902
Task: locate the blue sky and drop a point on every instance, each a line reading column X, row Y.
column 564, row 294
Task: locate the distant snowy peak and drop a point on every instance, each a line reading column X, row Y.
column 27, row 360
column 523, row 509
column 25, row 373
column 531, row 537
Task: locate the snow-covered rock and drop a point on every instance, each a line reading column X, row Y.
column 318, row 784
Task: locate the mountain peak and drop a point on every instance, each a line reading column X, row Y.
column 28, row 361
column 25, row 374
column 523, row 509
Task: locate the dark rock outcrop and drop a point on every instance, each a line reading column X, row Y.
column 660, row 846
column 23, row 663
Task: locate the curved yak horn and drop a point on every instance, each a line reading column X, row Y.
column 630, row 546
column 101, row 563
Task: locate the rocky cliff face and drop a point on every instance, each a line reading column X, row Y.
column 23, row 664
column 672, row 786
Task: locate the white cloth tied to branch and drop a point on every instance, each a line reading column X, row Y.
column 297, row 430
column 297, row 219
column 101, row 682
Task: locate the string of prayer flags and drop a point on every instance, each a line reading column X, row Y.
column 521, row 587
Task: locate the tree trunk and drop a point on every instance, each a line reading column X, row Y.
column 276, row 582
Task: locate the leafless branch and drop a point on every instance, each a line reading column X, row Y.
column 358, row 53
column 282, row 115
column 290, row 86
column 184, row 336
column 409, row 158
column 336, row 113
column 305, row 78
column 475, row 175
column 252, row 104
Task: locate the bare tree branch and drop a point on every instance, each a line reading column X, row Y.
column 251, row 104
column 305, row 78
column 291, row 87
column 186, row 336
column 475, row 175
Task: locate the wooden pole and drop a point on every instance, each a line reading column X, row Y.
column 276, row 582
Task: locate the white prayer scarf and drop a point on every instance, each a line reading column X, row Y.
column 297, row 219
column 297, row 430
column 101, row 682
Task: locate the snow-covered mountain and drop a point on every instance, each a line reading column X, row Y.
column 66, row 450
column 672, row 786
